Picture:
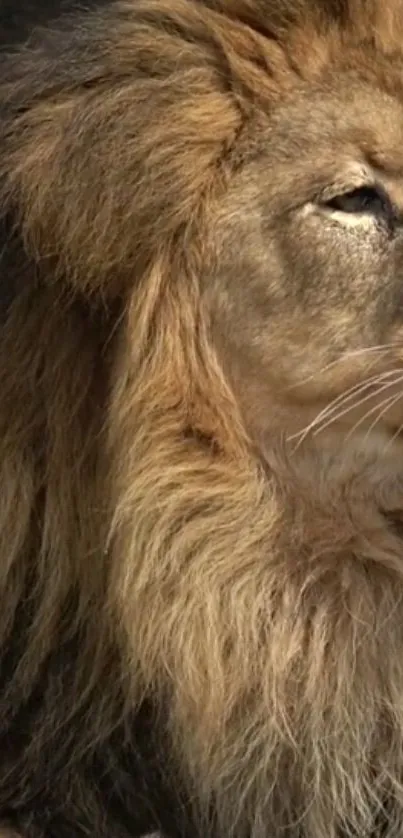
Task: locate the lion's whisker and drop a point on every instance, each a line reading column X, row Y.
column 382, row 408
column 345, row 397
column 381, row 349
column 358, row 404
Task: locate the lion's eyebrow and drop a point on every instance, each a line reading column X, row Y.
column 388, row 162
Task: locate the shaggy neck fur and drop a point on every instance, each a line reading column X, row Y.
column 276, row 694
column 280, row 695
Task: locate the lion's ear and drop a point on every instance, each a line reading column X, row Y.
column 66, row 183
column 275, row 18
column 105, row 149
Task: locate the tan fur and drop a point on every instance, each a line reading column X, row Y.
column 256, row 588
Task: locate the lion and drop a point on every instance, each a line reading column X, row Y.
column 201, row 379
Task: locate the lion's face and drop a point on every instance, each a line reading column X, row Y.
column 207, row 202
column 307, row 296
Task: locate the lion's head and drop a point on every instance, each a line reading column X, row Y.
column 201, row 369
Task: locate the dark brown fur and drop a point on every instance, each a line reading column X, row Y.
column 202, row 625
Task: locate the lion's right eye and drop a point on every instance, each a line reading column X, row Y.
column 369, row 200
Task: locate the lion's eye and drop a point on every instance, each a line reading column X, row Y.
column 371, row 200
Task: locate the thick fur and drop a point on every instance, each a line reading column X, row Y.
column 201, row 628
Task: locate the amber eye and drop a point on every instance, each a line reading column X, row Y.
column 371, row 200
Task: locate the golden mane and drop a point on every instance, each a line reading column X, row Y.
column 141, row 535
